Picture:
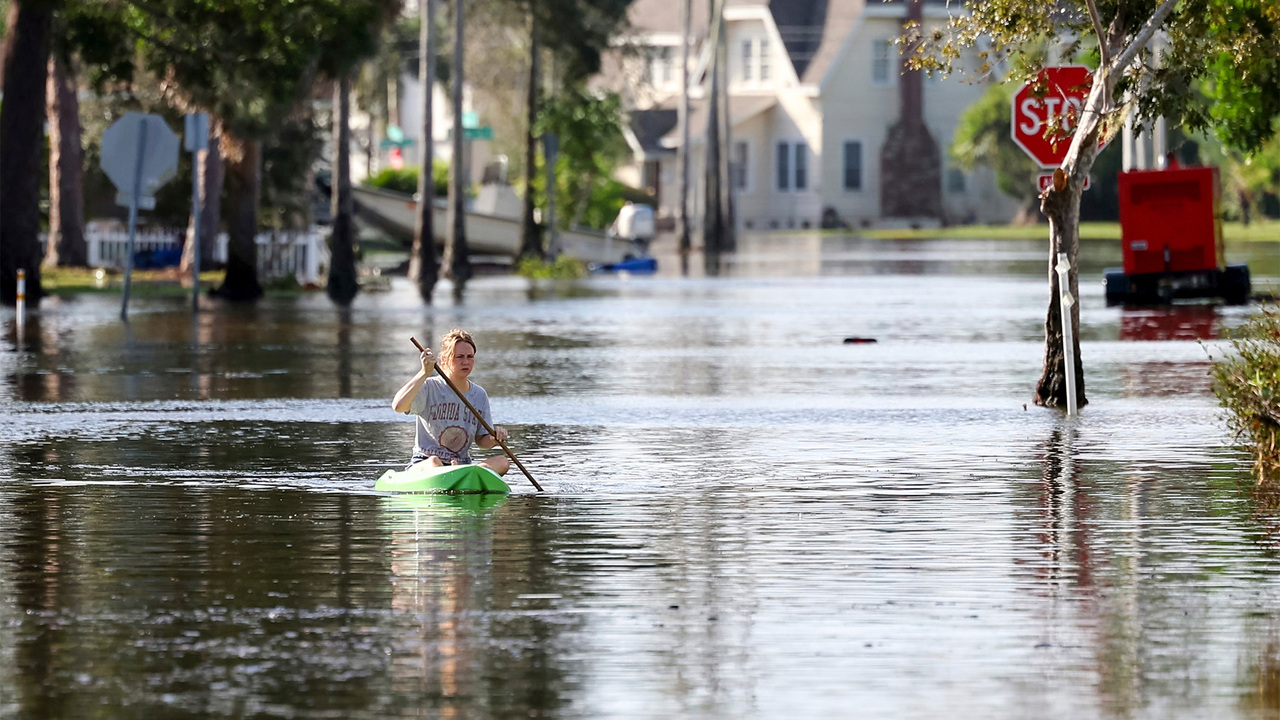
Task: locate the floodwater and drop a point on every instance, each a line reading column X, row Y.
column 744, row 516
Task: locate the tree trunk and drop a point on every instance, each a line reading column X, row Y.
column 1062, row 207
column 26, row 58
column 530, row 238
column 211, row 170
column 456, row 265
column 728, row 235
column 424, row 267
column 713, row 212
column 682, row 214
column 244, row 182
column 342, row 257
column 66, row 245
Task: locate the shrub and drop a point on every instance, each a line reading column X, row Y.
column 563, row 268
column 1248, row 385
column 405, row 180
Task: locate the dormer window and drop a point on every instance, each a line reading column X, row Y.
column 662, row 72
column 753, row 60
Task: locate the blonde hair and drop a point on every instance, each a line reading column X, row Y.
column 449, row 343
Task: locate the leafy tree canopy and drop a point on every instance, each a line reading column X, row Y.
column 248, row 62
column 1218, row 68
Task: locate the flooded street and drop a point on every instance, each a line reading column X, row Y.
column 744, row 516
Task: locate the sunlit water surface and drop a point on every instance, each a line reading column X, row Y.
column 744, row 516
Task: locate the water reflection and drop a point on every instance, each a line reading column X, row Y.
column 1174, row 322
column 745, row 517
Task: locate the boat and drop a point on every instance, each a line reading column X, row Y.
column 422, row 477
column 491, row 228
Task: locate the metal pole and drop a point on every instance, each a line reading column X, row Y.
column 133, row 214
column 22, row 301
column 1068, row 333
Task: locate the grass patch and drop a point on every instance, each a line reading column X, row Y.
column 145, row 283
column 563, row 268
column 1264, row 231
column 1088, row 231
column 1247, row 384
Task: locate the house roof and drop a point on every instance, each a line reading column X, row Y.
column 647, row 128
column 741, row 109
column 663, row 16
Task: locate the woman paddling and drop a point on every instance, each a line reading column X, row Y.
column 445, row 425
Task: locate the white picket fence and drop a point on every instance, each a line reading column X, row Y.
column 300, row 253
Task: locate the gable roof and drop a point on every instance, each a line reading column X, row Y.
column 811, row 30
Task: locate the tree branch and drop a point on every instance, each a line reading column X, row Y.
column 1143, row 37
column 1104, row 52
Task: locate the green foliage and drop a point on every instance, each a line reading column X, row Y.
column 1247, row 384
column 247, row 61
column 982, row 138
column 405, row 180
column 562, row 268
column 591, row 146
column 1219, row 70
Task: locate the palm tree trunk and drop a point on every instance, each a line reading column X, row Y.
column 682, row 216
column 456, row 265
column 25, row 64
column 530, row 238
column 342, row 262
column 244, row 182
column 66, row 171
column 728, row 241
column 424, row 267
column 713, row 210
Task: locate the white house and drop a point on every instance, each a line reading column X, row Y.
column 815, row 87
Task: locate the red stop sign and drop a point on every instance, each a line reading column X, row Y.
column 1043, row 125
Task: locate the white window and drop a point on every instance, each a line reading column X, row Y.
column 784, row 166
column 661, row 67
column 753, row 64
column 883, row 55
column 802, row 166
column 739, row 166
column 852, row 165
column 793, row 166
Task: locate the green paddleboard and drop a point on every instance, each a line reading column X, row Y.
column 448, row 479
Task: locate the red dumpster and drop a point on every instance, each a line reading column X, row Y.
column 1171, row 239
column 1169, row 220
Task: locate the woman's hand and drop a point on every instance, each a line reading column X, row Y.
column 500, row 433
column 428, row 361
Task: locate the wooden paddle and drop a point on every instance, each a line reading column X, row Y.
column 477, row 415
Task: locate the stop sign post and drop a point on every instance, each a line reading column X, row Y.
column 139, row 154
column 1043, row 125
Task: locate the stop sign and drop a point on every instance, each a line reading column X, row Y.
column 1043, row 125
column 139, row 146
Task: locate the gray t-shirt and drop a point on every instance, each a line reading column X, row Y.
column 445, row 426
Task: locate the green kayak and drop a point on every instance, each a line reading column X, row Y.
column 448, row 479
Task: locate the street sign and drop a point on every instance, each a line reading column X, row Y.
column 196, row 137
column 480, row 133
column 1043, row 125
column 155, row 162
column 1044, row 181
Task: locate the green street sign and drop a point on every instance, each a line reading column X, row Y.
column 483, row 133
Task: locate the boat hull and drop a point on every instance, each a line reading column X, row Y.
column 445, row 479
